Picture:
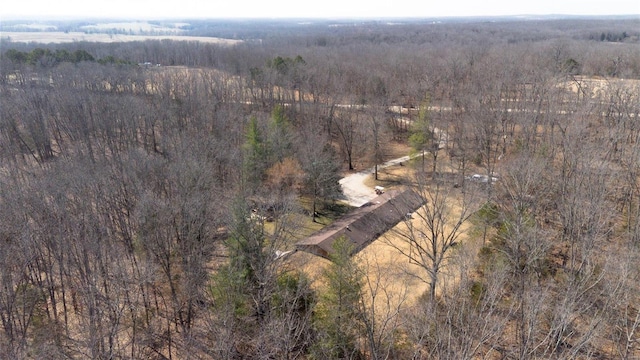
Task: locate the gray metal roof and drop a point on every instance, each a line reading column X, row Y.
column 364, row 224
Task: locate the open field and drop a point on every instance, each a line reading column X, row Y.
column 135, row 27
column 597, row 86
column 56, row 37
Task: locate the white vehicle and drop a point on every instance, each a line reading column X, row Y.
column 481, row 178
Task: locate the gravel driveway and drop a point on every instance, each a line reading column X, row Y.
column 355, row 191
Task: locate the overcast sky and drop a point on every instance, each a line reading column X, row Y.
column 310, row 9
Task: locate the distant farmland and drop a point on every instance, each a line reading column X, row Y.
column 57, row 37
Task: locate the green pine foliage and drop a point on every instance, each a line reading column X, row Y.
column 46, row 57
column 255, row 153
column 338, row 312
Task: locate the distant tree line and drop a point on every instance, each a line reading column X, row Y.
column 46, row 57
column 612, row 37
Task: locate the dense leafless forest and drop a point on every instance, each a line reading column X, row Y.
column 148, row 189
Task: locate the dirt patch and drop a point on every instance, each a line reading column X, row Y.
column 595, row 87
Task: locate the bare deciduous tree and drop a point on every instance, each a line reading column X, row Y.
column 432, row 231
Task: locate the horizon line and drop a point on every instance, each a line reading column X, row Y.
column 4, row 17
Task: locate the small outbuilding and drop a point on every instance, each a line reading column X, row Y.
column 364, row 224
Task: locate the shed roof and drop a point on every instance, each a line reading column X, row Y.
column 364, row 224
